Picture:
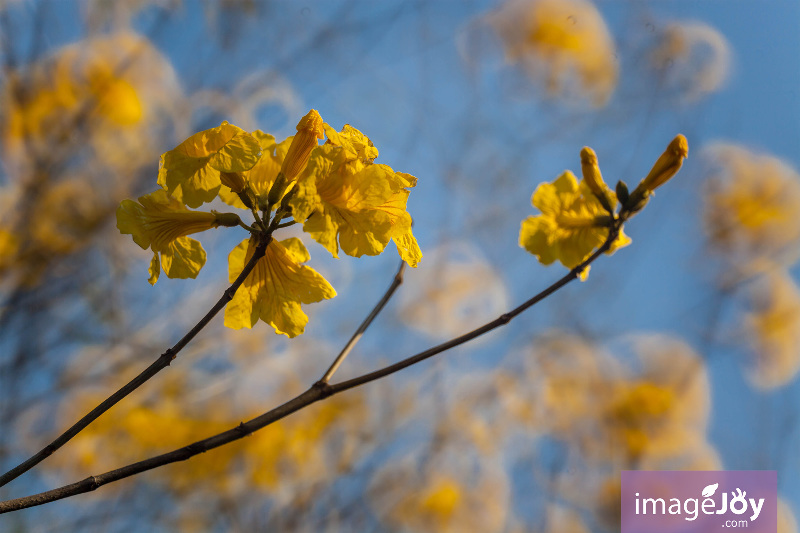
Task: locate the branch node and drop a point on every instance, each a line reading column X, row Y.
column 194, row 449
column 243, row 430
column 324, row 387
column 505, row 318
column 229, row 293
column 169, row 356
column 91, row 481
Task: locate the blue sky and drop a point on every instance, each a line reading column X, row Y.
column 481, row 137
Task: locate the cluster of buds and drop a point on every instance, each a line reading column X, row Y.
column 667, row 165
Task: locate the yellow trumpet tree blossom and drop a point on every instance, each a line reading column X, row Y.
column 572, row 225
column 275, row 288
column 161, row 223
column 346, row 201
column 191, row 171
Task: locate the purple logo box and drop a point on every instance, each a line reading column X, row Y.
column 699, row 502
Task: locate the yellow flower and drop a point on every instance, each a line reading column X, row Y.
column 667, row 165
column 774, row 331
column 191, row 171
column 353, row 203
column 263, row 174
column 309, row 129
column 566, row 42
column 751, row 205
column 286, row 159
column 572, row 224
column 161, row 223
column 594, row 179
column 275, row 288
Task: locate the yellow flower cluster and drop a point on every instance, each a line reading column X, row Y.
column 336, row 191
column 576, row 217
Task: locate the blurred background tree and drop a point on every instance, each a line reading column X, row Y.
column 679, row 352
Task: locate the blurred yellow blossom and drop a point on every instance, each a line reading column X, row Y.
column 356, row 205
column 750, row 207
column 454, row 302
column 191, row 171
column 161, row 223
column 561, row 519
column 9, row 245
column 73, row 216
column 118, row 88
column 787, row 523
column 275, row 288
column 774, row 330
column 443, row 495
column 287, row 454
column 623, row 412
column 692, row 58
column 564, row 42
column 572, row 224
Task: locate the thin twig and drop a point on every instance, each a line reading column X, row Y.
column 318, row 391
column 398, row 279
column 159, row 364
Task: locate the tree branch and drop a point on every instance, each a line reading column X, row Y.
column 317, row 392
column 398, row 279
column 159, row 364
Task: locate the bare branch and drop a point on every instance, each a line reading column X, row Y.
column 398, row 279
column 317, row 392
column 159, row 364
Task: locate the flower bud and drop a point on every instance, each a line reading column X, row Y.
column 234, row 180
column 593, row 178
column 667, row 165
column 228, row 220
column 591, row 172
column 309, row 129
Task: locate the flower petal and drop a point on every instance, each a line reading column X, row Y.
column 183, row 258
column 190, row 172
column 275, row 288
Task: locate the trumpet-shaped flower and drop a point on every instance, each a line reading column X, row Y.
column 309, row 129
column 668, row 164
column 287, row 158
column 161, row 223
column 275, row 288
column 348, row 201
column 565, row 42
column 572, row 224
column 191, row 171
